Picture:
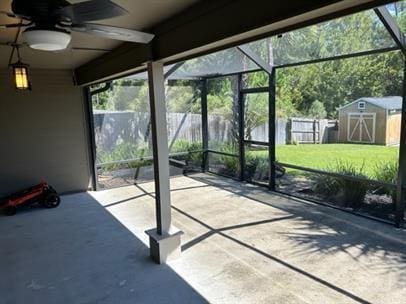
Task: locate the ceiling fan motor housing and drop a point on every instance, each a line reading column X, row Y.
column 37, row 9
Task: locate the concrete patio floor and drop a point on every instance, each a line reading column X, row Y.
column 242, row 244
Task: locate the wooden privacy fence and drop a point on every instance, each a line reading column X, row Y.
column 312, row 131
column 113, row 128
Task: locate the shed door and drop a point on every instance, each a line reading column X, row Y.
column 361, row 127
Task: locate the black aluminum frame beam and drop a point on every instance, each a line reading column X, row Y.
column 392, row 27
column 205, row 126
column 246, row 50
column 173, row 69
column 91, row 135
column 271, row 89
column 339, row 57
column 256, row 142
column 271, row 131
column 222, row 153
column 241, row 128
column 255, row 90
column 401, row 186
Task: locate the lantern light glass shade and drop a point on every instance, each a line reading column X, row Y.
column 46, row 40
column 21, row 79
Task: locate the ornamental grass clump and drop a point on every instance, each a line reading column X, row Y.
column 388, row 172
column 345, row 191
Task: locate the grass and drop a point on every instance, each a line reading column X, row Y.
column 367, row 157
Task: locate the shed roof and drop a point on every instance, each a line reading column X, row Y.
column 388, row 103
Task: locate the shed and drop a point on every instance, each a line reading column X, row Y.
column 373, row 120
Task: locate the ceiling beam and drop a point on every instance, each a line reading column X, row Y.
column 211, row 21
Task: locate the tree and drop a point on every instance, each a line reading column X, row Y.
column 317, row 110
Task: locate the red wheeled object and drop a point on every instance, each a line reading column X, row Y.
column 41, row 193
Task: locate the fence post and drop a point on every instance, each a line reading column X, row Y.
column 271, row 131
column 205, row 127
column 291, row 121
column 401, row 195
column 314, row 131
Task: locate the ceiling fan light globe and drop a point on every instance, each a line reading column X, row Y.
column 47, row 40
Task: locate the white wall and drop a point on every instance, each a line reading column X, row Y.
column 43, row 133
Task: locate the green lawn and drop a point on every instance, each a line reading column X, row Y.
column 326, row 155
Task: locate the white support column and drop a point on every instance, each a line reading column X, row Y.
column 165, row 239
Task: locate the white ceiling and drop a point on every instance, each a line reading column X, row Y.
column 143, row 14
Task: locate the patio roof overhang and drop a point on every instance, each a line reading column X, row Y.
column 214, row 25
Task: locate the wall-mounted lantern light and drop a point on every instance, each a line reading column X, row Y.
column 21, row 76
column 20, row 73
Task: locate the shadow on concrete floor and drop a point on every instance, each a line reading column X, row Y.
column 212, row 231
column 79, row 253
column 337, row 231
column 332, row 231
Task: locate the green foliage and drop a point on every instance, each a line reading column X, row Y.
column 325, row 185
column 182, row 145
column 120, row 152
column 317, row 110
column 347, row 191
column 125, row 94
column 256, row 112
column 335, row 83
column 388, row 172
column 134, row 154
column 220, row 96
column 123, row 152
column 181, row 97
column 256, row 165
column 257, row 79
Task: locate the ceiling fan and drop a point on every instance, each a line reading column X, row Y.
column 48, row 23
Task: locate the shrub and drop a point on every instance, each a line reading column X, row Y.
column 388, row 172
column 256, row 165
column 123, row 151
column 341, row 189
column 230, row 163
column 120, row 152
column 182, row 145
column 325, row 185
column 317, row 110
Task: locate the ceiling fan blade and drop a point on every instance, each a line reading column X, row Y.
column 90, row 11
column 8, row 14
column 113, row 32
column 12, row 15
column 89, row 49
column 4, row 26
